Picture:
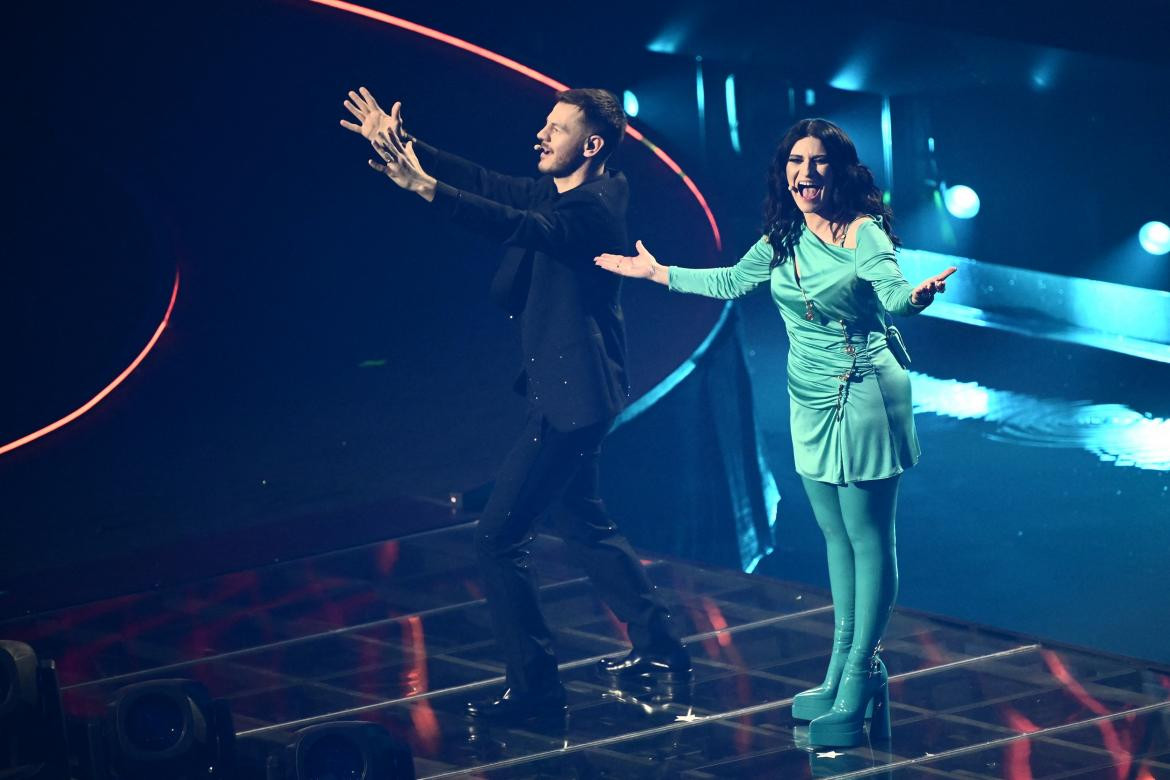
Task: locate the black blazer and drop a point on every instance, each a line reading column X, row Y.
column 572, row 332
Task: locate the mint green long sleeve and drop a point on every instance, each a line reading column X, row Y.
column 877, row 265
column 731, row 282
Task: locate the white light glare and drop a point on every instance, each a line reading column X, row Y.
column 732, row 118
column 1155, row 237
column 961, row 201
column 630, row 103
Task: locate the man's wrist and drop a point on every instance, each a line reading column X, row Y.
column 425, row 188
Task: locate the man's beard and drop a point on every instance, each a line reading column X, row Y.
column 563, row 167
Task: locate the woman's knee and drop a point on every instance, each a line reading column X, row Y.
column 832, row 529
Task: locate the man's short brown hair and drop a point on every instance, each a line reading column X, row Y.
column 603, row 115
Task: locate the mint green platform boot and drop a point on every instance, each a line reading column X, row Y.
column 817, row 701
column 864, row 686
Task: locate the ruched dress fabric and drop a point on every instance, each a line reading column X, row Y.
column 851, row 415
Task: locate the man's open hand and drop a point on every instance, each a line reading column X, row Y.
column 372, row 120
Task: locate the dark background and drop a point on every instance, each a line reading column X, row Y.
column 332, row 346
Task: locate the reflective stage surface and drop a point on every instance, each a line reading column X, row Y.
column 396, row 633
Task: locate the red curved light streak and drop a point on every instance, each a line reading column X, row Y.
column 524, row 70
column 91, row 403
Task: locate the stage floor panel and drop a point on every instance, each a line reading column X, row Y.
column 397, row 633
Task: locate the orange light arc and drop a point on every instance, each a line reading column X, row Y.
column 105, row 391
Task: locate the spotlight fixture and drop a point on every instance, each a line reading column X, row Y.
column 32, row 725
column 349, row 749
column 162, row 728
column 630, row 103
column 961, row 201
column 1155, row 237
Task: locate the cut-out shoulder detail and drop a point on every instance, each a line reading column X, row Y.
column 854, row 228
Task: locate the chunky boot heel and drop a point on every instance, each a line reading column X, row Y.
column 879, row 724
column 844, row 724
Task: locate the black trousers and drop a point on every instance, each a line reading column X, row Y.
column 555, row 473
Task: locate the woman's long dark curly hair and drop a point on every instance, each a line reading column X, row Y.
column 851, row 193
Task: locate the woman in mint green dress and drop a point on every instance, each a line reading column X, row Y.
column 828, row 256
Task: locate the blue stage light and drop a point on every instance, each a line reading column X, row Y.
column 732, row 114
column 853, row 74
column 887, row 145
column 701, row 102
column 700, row 91
column 630, row 103
column 670, row 40
column 1155, row 237
column 961, row 201
column 1045, row 72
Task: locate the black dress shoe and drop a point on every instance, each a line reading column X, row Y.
column 670, row 667
column 546, row 708
column 671, row 699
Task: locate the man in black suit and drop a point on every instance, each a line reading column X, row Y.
column 574, row 377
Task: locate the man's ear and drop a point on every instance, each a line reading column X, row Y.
column 593, row 145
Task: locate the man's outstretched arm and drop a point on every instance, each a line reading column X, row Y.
column 377, row 127
column 469, row 176
column 575, row 222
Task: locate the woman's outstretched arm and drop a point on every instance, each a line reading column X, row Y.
column 752, row 270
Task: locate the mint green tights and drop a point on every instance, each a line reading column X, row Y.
column 857, row 521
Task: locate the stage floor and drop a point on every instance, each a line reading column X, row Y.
column 396, row 632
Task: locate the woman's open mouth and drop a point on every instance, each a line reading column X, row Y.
column 809, row 191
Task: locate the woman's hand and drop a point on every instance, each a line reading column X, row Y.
column 924, row 293
column 640, row 266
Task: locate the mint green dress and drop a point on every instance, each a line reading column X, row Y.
column 851, row 415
